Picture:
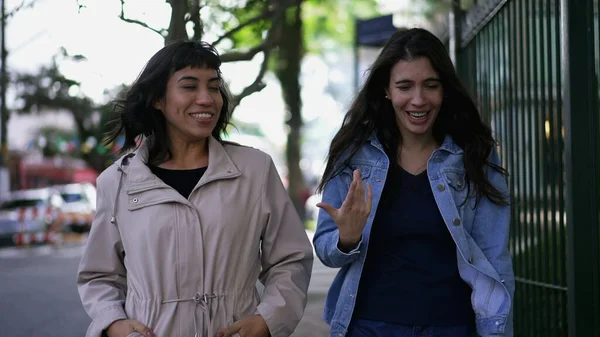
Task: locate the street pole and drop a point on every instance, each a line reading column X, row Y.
column 3, row 84
column 454, row 30
column 4, row 181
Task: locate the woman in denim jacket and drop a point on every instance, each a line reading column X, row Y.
column 415, row 207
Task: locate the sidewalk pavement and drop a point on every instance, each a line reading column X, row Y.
column 312, row 324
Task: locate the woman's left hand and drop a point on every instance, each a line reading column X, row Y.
column 249, row 326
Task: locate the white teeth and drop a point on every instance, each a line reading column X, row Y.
column 418, row 115
column 201, row 115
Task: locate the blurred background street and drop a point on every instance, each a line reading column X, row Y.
column 532, row 67
column 40, row 299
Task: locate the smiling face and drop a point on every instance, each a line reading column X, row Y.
column 192, row 104
column 416, row 93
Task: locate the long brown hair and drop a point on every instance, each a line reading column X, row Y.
column 371, row 113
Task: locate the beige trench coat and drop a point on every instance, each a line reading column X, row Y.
column 190, row 266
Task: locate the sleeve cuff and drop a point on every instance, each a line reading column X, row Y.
column 105, row 318
column 353, row 251
column 264, row 313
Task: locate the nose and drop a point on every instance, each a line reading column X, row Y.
column 203, row 97
column 418, row 98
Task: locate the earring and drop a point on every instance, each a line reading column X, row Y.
column 386, row 96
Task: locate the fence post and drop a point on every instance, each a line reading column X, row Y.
column 582, row 167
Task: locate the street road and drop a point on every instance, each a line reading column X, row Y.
column 38, row 294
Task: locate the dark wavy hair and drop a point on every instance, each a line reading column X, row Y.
column 371, row 113
column 137, row 115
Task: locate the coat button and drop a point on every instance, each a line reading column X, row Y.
column 441, row 187
column 135, row 200
column 471, row 260
column 456, row 222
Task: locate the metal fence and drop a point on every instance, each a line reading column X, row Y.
column 533, row 67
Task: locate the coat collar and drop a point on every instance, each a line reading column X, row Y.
column 220, row 165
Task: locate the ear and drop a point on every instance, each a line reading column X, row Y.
column 158, row 105
column 387, row 93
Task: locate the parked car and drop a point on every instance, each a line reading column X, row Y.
column 31, row 216
column 79, row 206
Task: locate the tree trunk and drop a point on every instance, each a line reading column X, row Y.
column 177, row 32
column 195, row 19
column 288, row 72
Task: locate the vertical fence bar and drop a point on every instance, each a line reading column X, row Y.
column 543, row 145
column 554, row 156
column 596, row 107
column 581, row 128
column 523, row 316
column 560, row 177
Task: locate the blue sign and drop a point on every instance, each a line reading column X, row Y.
column 374, row 32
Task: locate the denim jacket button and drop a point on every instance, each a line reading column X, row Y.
column 471, row 260
column 456, row 222
column 441, row 187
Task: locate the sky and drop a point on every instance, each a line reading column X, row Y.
column 116, row 52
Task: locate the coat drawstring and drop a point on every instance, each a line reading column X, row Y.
column 113, row 219
column 202, row 302
column 125, row 161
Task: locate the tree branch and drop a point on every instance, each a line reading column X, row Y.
column 23, row 5
column 264, row 15
column 161, row 32
column 271, row 10
column 266, row 47
column 248, row 55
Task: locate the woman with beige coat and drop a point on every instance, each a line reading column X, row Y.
column 187, row 223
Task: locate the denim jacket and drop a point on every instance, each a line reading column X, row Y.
column 480, row 234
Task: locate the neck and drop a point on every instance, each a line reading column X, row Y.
column 418, row 143
column 187, row 155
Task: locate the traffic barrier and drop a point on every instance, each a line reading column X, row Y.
column 47, row 216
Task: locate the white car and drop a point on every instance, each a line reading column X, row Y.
column 79, row 206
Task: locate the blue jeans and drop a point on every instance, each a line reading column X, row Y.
column 366, row 328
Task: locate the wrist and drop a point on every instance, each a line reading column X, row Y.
column 347, row 243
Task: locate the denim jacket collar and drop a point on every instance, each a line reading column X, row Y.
column 448, row 144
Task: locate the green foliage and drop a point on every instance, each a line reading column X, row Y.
column 250, row 35
column 329, row 24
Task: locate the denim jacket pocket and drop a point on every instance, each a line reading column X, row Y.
column 347, row 174
column 456, row 180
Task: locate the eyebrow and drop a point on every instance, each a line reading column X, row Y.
column 431, row 79
column 192, row 78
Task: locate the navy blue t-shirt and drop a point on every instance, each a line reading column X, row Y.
column 410, row 276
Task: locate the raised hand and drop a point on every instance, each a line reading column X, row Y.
column 351, row 217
